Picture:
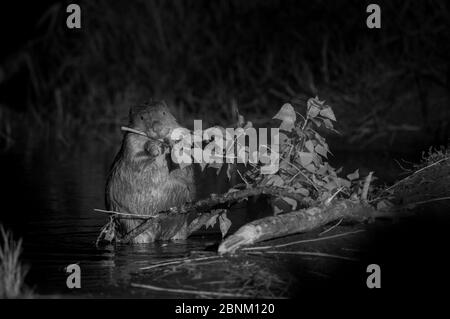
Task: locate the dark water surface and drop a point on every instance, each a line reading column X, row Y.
column 48, row 197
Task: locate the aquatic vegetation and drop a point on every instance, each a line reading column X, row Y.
column 12, row 271
column 426, row 185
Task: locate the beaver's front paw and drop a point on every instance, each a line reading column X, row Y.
column 154, row 150
column 157, row 149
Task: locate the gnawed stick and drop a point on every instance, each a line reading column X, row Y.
column 132, row 130
column 205, row 206
column 295, row 222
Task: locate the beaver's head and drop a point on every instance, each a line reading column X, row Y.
column 153, row 118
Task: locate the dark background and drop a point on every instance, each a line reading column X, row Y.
column 389, row 87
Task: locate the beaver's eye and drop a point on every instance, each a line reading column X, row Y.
column 142, row 117
column 164, row 113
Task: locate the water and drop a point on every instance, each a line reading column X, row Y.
column 48, row 197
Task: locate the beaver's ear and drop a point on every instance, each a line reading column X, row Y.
column 134, row 109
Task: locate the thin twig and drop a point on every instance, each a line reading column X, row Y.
column 307, row 178
column 137, row 216
column 305, row 240
column 406, row 170
column 416, row 172
column 180, row 261
column 428, row 201
column 165, row 263
column 332, row 227
column 242, row 177
column 191, row 292
column 307, row 253
column 328, row 201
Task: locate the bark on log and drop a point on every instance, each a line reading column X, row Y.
column 295, row 222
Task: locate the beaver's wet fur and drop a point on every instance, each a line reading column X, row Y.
column 143, row 179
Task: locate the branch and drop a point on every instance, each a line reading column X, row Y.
column 295, row 222
column 203, row 208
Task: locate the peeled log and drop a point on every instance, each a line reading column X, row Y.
column 295, row 222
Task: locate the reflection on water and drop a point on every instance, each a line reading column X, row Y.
column 48, row 197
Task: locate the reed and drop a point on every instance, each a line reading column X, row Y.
column 12, row 271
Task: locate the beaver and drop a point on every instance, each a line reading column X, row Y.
column 143, row 179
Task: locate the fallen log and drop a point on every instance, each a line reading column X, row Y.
column 295, row 222
column 202, row 208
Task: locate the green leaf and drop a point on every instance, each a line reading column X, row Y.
column 321, row 150
column 316, row 181
column 354, row 175
column 328, row 113
column 319, row 138
column 277, row 210
column 328, row 124
column 311, row 167
column 283, row 139
column 322, row 169
column 325, row 196
column 291, row 202
column 315, row 102
column 224, row 224
column 317, row 122
column 287, row 116
column 309, row 146
column 275, row 180
column 344, row 182
column 302, row 191
column 330, row 185
column 211, row 222
column 317, row 159
column 313, row 111
column 285, row 164
column 305, row 158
